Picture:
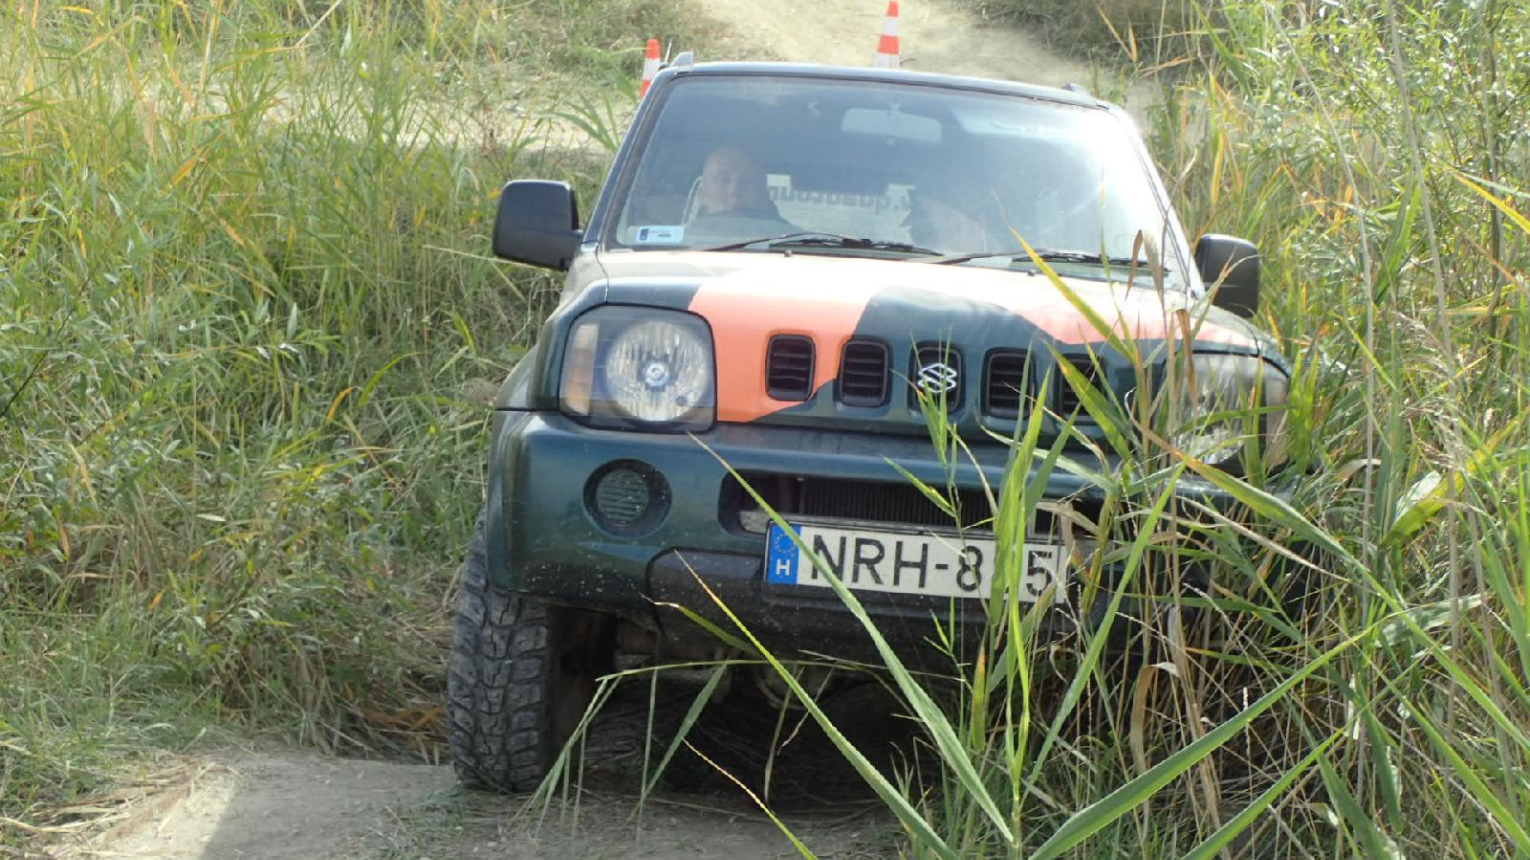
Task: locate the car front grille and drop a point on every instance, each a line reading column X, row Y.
column 1068, row 401
column 1006, row 380
column 891, row 504
column 864, row 501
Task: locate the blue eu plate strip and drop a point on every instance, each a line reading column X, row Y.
column 781, row 557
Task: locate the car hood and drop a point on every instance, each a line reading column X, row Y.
column 747, row 298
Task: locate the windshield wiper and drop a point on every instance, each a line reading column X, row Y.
column 1047, row 256
column 826, row 240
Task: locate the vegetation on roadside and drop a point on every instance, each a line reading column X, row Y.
column 1377, row 155
column 248, row 332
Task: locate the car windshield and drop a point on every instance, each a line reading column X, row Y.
column 809, row 165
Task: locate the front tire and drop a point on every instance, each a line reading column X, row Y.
column 521, row 674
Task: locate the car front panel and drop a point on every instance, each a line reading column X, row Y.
column 546, row 538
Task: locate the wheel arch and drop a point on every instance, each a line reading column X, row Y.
column 496, row 512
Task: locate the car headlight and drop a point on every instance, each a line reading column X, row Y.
column 645, row 368
column 1222, row 402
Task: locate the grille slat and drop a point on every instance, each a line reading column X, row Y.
column 1068, row 400
column 1005, row 386
column 863, row 374
column 789, row 367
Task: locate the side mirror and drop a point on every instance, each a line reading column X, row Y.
column 1231, row 267
column 538, row 223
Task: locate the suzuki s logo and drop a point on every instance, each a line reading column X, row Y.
column 937, row 378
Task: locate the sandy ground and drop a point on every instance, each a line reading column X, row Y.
column 935, row 36
column 291, row 805
column 286, row 806
column 302, row 806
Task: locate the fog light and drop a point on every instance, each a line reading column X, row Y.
column 621, row 497
column 627, row 497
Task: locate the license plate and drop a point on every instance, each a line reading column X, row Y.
column 931, row 564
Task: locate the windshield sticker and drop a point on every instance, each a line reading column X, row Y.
column 867, row 210
column 659, row 235
column 883, row 199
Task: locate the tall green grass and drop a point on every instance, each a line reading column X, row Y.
column 248, row 334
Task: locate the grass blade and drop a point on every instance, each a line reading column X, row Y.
column 692, row 713
column 1224, row 835
column 1090, row 820
column 889, row 794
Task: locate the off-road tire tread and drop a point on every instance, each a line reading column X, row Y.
column 498, row 696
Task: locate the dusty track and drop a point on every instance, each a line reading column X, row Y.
column 249, row 805
column 936, row 37
column 300, row 806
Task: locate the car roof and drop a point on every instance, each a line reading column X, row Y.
column 895, row 76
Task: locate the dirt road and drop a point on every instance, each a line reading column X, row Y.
column 288, row 805
column 301, row 806
column 936, row 36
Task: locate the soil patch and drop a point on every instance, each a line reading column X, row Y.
column 285, row 806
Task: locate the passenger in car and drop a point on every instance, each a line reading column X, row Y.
column 733, row 183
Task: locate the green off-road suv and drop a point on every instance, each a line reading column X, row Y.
column 786, row 266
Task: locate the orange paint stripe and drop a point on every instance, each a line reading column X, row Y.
column 743, row 323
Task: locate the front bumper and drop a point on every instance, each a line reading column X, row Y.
column 543, row 540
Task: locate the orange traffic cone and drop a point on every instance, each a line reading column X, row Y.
column 887, row 47
column 650, row 66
